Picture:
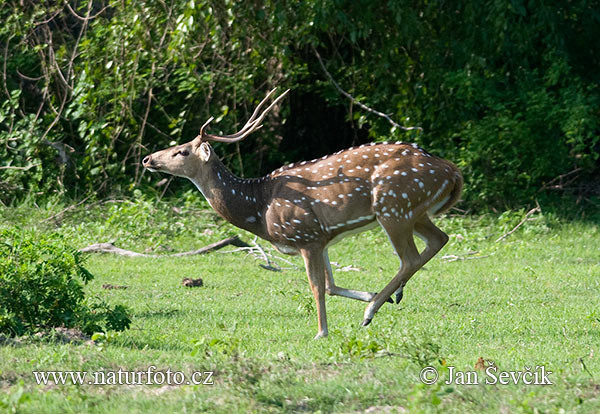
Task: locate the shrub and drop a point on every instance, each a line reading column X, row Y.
column 41, row 286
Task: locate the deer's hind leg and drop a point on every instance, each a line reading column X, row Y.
column 400, row 233
column 434, row 239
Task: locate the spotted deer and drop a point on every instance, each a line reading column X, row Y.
column 306, row 207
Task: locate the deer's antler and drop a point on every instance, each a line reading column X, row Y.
column 251, row 125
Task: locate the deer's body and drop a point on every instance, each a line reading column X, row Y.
column 306, row 207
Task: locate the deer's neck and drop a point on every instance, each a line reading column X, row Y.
column 239, row 201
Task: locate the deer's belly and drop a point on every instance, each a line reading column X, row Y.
column 285, row 249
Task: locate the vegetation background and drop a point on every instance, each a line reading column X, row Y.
column 508, row 90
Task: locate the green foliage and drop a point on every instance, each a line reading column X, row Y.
column 40, row 287
column 354, row 347
column 507, row 90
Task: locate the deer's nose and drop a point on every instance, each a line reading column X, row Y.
column 146, row 161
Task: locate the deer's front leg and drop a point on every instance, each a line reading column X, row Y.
column 315, row 270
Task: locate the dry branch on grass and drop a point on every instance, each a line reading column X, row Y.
column 111, row 248
column 255, row 250
column 534, row 210
column 467, row 256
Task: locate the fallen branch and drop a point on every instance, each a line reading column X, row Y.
column 467, row 256
column 529, row 213
column 111, row 248
column 357, row 102
column 550, row 185
column 259, row 253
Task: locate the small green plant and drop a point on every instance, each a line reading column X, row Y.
column 12, row 402
column 210, row 347
column 41, row 287
column 354, row 347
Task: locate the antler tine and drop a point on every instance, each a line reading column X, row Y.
column 251, row 125
column 203, row 127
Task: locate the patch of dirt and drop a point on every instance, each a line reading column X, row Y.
column 187, row 282
column 109, row 286
column 66, row 335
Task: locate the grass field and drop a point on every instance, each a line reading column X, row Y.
column 531, row 300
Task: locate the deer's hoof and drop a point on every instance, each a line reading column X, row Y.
column 321, row 335
column 366, row 321
column 387, row 300
column 399, row 296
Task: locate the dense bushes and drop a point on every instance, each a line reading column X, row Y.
column 508, row 90
column 41, row 287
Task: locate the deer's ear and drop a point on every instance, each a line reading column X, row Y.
column 204, row 151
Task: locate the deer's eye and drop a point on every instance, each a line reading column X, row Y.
column 185, row 153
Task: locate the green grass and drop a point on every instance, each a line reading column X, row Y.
column 530, row 300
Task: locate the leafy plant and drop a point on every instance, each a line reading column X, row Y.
column 41, row 286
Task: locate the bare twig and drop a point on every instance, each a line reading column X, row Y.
column 357, row 102
column 260, row 254
column 536, row 209
column 10, row 167
column 467, row 256
column 111, row 248
column 269, row 264
column 86, row 18
column 69, row 76
column 71, row 207
column 550, row 185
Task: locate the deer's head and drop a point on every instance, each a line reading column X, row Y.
column 187, row 160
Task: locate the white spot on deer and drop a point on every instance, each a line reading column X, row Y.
column 278, row 204
column 421, row 185
column 414, row 169
column 404, row 173
column 404, row 195
column 334, row 203
column 367, row 170
column 232, row 191
column 251, row 219
column 396, row 172
column 297, row 221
